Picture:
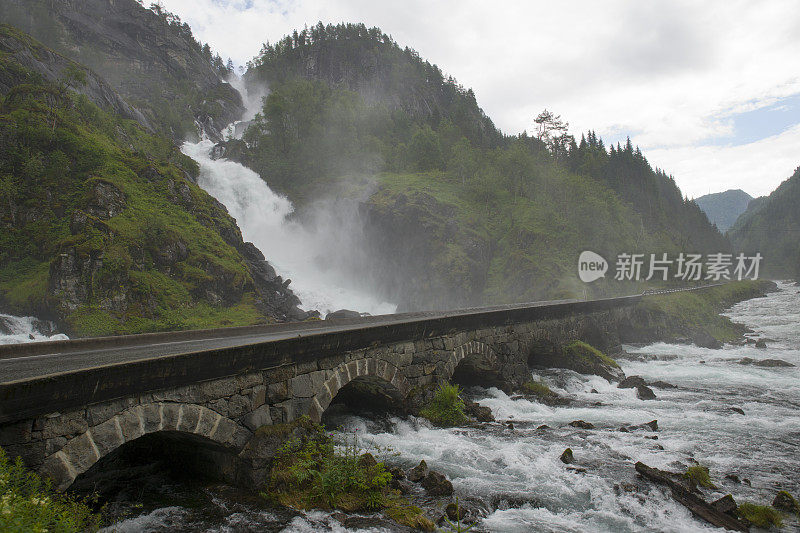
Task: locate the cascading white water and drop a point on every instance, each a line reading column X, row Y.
column 311, row 256
column 19, row 329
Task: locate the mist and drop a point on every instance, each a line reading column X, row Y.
column 322, row 252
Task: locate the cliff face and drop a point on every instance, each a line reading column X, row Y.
column 25, row 60
column 154, row 65
column 102, row 226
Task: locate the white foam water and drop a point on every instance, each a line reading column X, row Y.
column 523, row 486
column 322, row 256
column 19, row 329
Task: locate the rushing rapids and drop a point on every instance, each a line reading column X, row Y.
column 514, row 477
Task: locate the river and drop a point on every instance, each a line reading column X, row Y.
column 515, row 478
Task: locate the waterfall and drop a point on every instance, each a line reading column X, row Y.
column 314, row 255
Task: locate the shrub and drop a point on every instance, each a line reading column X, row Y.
column 698, row 475
column 28, row 503
column 759, row 515
column 446, row 408
column 312, row 472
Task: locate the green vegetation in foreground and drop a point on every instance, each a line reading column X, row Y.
column 589, row 354
column 683, row 314
column 312, row 472
column 698, row 475
column 29, row 504
column 101, row 226
column 761, row 516
column 446, row 408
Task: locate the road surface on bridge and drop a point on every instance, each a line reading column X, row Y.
column 34, row 360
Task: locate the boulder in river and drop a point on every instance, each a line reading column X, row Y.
column 580, row 424
column 455, row 512
column 643, row 392
column 738, row 410
column 567, row 457
column 785, row 502
column 760, row 343
column 478, row 411
column 436, row 484
column 631, row 382
column 663, row 385
column 417, row 473
column 772, row 363
column 704, row 340
column 726, row 505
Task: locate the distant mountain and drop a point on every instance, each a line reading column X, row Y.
column 771, row 226
column 148, row 55
column 723, row 208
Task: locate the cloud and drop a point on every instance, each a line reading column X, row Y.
column 672, row 75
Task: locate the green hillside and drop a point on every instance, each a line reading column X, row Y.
column 103, row 227
column 458, row 213
column 771, row 226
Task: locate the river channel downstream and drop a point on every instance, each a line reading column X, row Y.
column 512, row 476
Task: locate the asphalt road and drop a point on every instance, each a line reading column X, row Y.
column 39, row 365
column 36, row 360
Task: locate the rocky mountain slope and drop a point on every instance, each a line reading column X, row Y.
column 151, row 59
column 103, row 227
column 723, row 208
column 771, row 226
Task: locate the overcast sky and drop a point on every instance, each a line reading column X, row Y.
column 710, row 90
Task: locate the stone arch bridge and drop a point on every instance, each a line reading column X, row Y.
column 65, row 405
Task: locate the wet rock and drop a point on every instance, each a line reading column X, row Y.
column 478, row 411
column 705, row 340
column 663, row 385
column 543, row 427
column 510, row 425
column 726, row 505
column 761, row 344
column 594, row 391
column 581, row 424
column 624, row 429
column 747, row 482
column 342, row 313
column 567, row 457
column 786, row 502
column 577, row 469
column 631, row 382
column 653, row 425
column 455, row 512
column 419, row 472
column 773, row 363
column 436, row 484
column 651, row 437
column 737, row 410
column 643, row 392
column 396, row 472
column 733, row 477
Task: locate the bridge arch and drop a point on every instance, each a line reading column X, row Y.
column 80, row 453
column 471, row 361
column 358, row 370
